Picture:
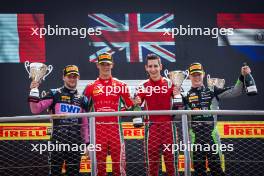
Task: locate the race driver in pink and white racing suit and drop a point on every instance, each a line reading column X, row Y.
column 65, row 131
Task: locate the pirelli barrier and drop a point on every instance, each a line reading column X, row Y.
column 22, row 148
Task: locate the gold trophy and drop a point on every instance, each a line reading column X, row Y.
column 177, row 78
column 217, row 82
column 37, row 72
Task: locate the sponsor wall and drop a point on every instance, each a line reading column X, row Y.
column 222, row 57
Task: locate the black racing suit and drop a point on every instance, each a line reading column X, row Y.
column 72, row 132
column 203, row 129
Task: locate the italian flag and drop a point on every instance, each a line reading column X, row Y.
column 17, row 44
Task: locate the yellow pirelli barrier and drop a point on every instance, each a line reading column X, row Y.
column 41, row 131
column 85, row 165
column 181, row 163
column 25, row 131
column 234, row 129
column 130, row 132
column 241, row 129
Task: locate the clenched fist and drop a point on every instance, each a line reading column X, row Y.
column 245, row 70
column 34, row 84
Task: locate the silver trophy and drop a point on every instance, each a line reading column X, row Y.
column 217, row 82
column 37, row 72
column 177, row 78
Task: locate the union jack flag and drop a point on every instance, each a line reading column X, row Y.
column 133, row 34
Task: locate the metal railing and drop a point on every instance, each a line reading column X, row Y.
column 183, row 115
column 131, row 113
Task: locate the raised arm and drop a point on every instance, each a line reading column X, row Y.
column 37, row 104
column 237, row 89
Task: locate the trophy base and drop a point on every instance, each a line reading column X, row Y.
column 177, row 99
column 137, row 122
column 251, row 90
column 178, row 102
column 34, row 92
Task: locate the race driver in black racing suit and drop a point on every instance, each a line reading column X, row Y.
column 203, row 130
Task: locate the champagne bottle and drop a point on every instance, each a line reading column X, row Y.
column 137, row 120
column 109, row 163
column 250, row 85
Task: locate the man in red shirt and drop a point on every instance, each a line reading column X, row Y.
column 108, row 94
column 157, row 93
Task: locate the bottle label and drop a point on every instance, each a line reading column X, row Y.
column 177, row 100
column 252, row 89
column 34, row 92
column 137, row 120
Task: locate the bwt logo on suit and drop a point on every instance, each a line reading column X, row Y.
column 69, row 108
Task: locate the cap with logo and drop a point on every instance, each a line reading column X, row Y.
column 105, row 57
column 71, row 69
column 195, row 68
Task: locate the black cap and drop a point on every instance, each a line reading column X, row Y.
column 105, row 57
column 195, row 68
column 71, row 69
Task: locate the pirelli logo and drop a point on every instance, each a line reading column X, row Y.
column 65, row 98
column 105, row 56
column 196, row 67
column 25, row 131
column 193, row 97
column 72, row 68
column 85, row 164
column 130, row 132
column 181, row 163
column 241, row 129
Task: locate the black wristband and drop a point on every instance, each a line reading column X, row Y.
column 241, row 78
column 33, row 99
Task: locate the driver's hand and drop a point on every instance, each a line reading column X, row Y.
column 245, row 70
column 176, row 90
column 34, row 84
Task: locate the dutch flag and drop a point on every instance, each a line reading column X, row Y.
column 248, row 33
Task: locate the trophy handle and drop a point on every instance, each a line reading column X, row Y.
column 186, row 72
column 26, row 67
column 208, row 76
column 208, row 82
column 50, row 68
column 223, row 82
column 166, row 73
